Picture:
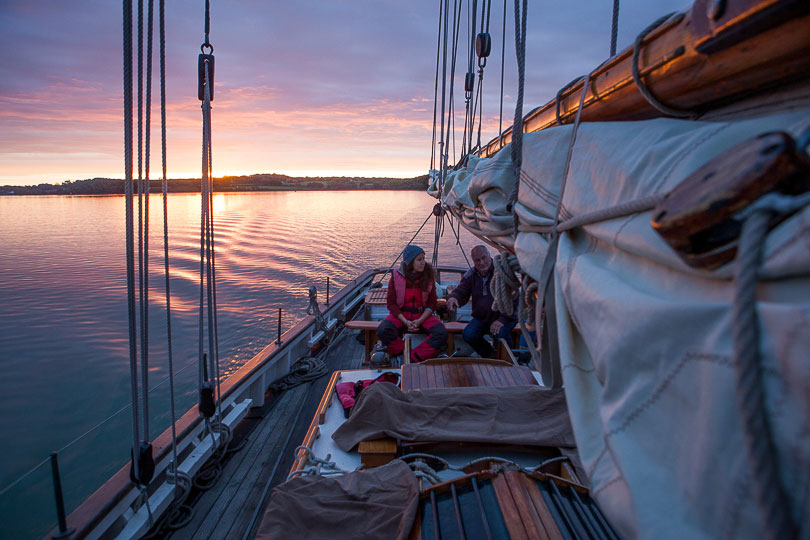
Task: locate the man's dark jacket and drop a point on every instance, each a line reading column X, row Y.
column 475, row 285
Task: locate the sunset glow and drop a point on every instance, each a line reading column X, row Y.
column 309, row 88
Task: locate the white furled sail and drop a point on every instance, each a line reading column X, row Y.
column 646, row 341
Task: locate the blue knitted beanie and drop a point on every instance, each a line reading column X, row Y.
column 410, row 253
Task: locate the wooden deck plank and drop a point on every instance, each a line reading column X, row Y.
column 211, row 506
column 511, row 514
column 543, row 513
column 221, row 519
column 226, row 510
column 431, row 378
column 440, row 379
column 345, row 356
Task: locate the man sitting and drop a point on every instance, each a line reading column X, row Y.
column 475, row 284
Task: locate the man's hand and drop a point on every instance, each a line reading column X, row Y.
column 413, row 327
column 452, row 303
column 495, row 327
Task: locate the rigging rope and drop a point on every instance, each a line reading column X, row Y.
column 458, row 239
column 129, row 221
column 517, row 126
column 614, row 28
column 436, row 90
column 141, row 277
column 391, row 266
column 451, row 126
column 178, row 485
column 442, row 146
column 145, row 253
column 770, row 493
column 209, row 363
column 503, row 56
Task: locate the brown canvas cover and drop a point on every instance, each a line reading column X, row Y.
column 372, row 504
column 521, row 415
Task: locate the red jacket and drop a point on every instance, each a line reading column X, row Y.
column 395, row 300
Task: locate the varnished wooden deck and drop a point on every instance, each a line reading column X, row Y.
column 233, row 507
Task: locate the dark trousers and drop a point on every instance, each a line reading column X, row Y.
column 391, row 330
column 475, row 331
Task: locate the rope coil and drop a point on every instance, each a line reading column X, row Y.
column 505, row 282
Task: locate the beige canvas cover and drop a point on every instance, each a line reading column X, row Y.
column 519, row 415
column 646, row 341
column 377, row 503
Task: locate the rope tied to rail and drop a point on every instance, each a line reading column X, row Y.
column 770, row 492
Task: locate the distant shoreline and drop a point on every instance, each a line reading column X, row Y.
column 252, row 183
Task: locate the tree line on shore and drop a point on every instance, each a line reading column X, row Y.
column 255, row 182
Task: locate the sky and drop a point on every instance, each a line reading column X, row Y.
column 302, row 87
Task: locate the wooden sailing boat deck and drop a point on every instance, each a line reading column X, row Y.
column 233, row 508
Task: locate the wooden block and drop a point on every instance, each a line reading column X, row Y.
column 699, row 218
column 378, row 452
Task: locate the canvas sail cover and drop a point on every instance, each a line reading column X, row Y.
column 479, row 414
column 646, row 341
column 377, row 503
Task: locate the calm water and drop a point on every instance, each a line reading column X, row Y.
column 63, row 323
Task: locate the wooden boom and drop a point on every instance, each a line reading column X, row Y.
column 714, row 53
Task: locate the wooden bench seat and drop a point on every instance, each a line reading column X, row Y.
column 454, row 328
column 369, row 329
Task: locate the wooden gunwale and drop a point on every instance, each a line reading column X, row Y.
column 742, row 52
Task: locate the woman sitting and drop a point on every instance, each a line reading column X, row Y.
column 411, row 302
